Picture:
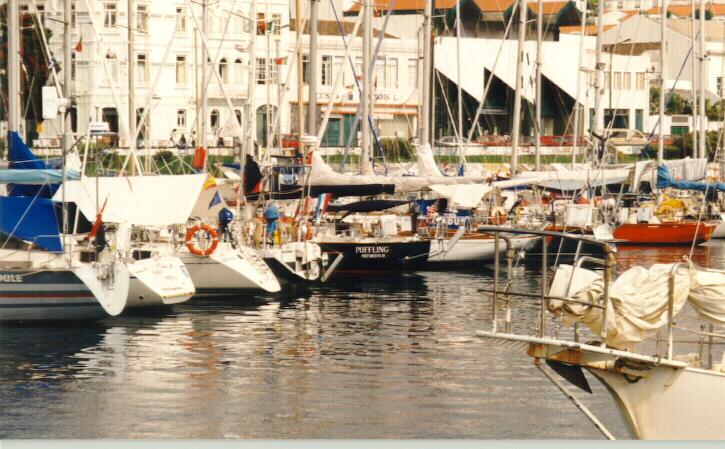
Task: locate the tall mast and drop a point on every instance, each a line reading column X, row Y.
column 663, row 78
column 518, row 89
column 14, row 68
column 67, row 74
column 130, row 25
column 577, row 113
column 461, row 149
column 365, row 165
column 268, row 81
column 703, row 77
column 599, row 74
column 424, row 128
column 312, row 76
column 300, row 68
column 252, row 80
column 537, row 126
column 695, row 77
column 204, row 75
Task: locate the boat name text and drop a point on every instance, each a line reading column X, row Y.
column 11, row 278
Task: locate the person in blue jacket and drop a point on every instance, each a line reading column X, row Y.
column 271, row 216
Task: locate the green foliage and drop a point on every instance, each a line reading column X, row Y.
column 163, row 158
column 676, row 103
column 397, row 148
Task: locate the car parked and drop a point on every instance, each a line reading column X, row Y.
column 627, row 137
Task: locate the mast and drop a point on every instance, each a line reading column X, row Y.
column 599, row 74
column 252, row 80
column 703, row 80
column 132, row 85
column 14, row 68
column 312, row 75
column 424, row 128
column 693, row 33
column 518, row 89
column 577, row 113
column 663, row 77
column 300, row 69
column 204, row 76
column 67, row 78
column 537, row 126
column 268, row 80
column 365, row 165
column 461, row 149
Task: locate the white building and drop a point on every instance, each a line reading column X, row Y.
column 167, row 46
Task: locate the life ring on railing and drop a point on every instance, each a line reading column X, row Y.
column 498, row 215
column 191, row 233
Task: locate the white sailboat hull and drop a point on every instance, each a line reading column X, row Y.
column 719, row 232
column 228, row 270
column 465, row 250
column 294, row 260
column 160, row 280
column 671, row 404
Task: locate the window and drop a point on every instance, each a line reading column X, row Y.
column 214, row 119
column 238, row 115
column 180, row 19
column 339, row 67
column 391, row 73
column 181, row 70
column 306, row 68
column 626, row 81
column 40, row 11
column 141, row 69
column 261, row 72
column 112, row 62
column 413, row 73
column 238, row 70
column 73, row 15
column 73, row 66
column 109, row 15
column 640, row 81
column 617, row 80
column 273, row 70
column 607, row 80
column 358, row 67
column 181, row 118
column 326, row 71
column 718, row 84
column 142, row 18
column 223, row 70
column 276, row 23
column 379, row 80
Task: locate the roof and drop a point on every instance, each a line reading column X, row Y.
column 589, row 30
column 713, row 30
column 685, row 9
column 331, row 28
column 485, row 6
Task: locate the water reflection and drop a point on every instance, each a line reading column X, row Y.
column 391, row 358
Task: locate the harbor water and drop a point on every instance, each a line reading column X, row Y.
column 362, row 357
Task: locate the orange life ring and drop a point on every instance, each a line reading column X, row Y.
column 189, row 240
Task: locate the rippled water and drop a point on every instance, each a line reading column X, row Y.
column 391, row 357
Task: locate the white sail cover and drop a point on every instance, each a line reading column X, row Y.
column 466, row 196
column 140, row 200
column 638, row 300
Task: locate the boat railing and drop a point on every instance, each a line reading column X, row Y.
column 708, row 338
column 501, row 233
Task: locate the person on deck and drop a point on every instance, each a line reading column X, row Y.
column 271, row 216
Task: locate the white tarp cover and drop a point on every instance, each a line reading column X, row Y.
column 592, row 176
column 638, row 301
column 464, row 196
column 138, row 200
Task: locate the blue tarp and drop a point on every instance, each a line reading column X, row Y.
column 36, row 177
column 664, row 180
column 21, row 158
column 31, row 219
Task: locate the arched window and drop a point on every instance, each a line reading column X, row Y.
column 238, row 70
column 181, row 119
column 214, row 120
column 223, row 70
column 112, row 62
column 238, row 115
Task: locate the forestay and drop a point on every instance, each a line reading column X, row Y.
column 138, row 200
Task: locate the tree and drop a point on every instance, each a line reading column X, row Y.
column 34, row 72
column 676, row 103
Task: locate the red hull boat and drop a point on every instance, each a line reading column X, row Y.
column 682, row 233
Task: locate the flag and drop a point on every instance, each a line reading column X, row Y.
column 216, row 200
column 79, row 46
column 431, row 210
column 211, row 182
column 322, row 201
column 99, row 221
column 280, row 61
